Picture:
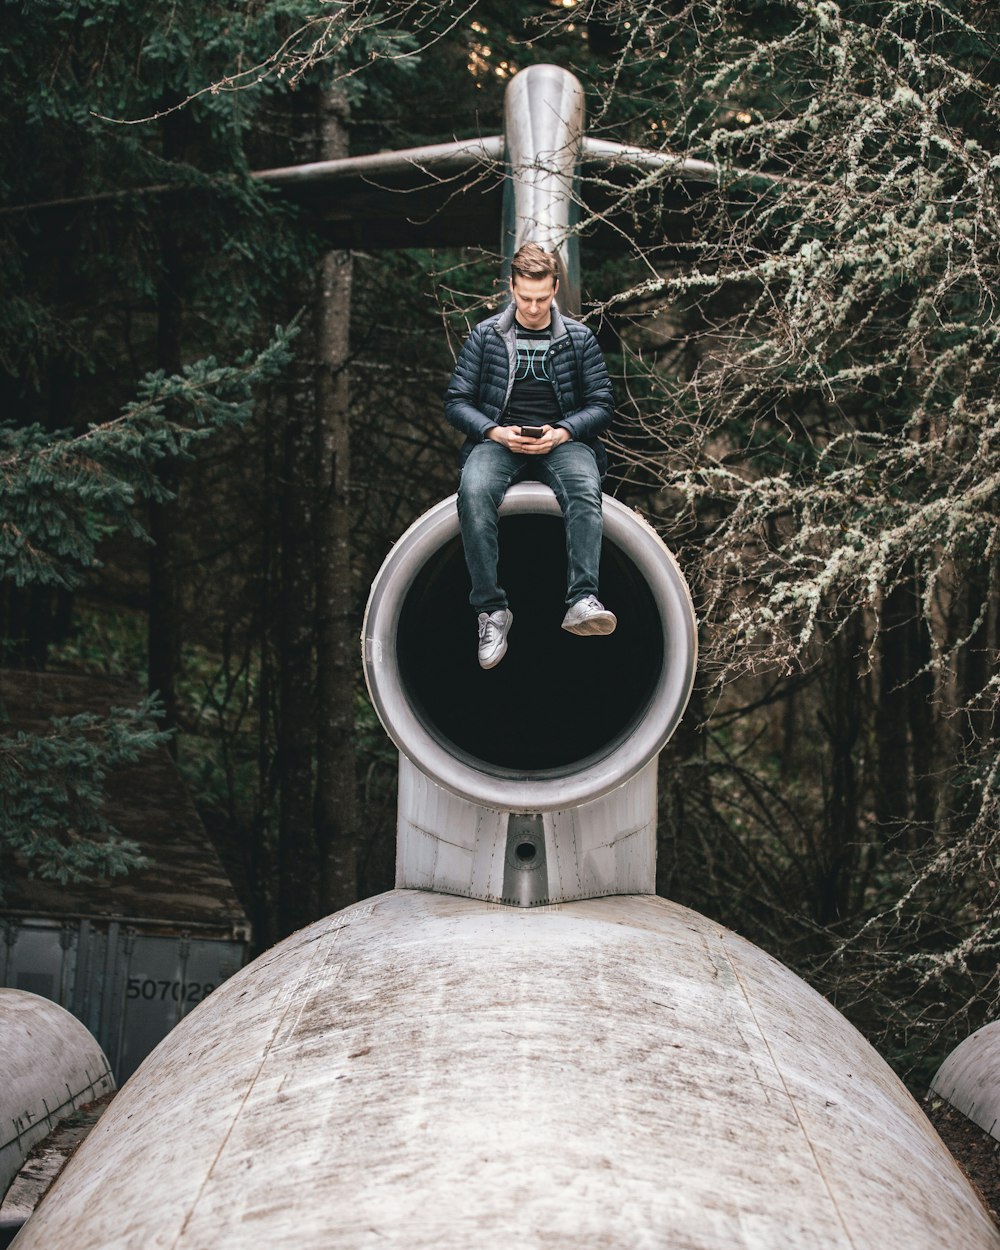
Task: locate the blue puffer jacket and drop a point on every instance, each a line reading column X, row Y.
column 484, row 376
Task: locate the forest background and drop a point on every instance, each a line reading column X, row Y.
column 213, row 426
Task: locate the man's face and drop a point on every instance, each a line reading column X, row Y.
column 533, row 298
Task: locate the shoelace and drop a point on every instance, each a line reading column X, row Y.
column 490, row 630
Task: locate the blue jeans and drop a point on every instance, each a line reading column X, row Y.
column 571, row 471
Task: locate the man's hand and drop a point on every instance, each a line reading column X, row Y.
column 509, row 436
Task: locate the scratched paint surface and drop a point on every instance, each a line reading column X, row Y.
column 49, row 1065
column 428, row 1071
column 970, row 1078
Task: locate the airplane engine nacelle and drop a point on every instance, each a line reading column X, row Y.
column 535, row 781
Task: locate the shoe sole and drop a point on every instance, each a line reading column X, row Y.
column 495, row 660
column 601, row 624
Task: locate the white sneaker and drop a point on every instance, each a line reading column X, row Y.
column 493, row 630
column 589, row 616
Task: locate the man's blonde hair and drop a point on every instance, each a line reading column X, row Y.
column 532, row 261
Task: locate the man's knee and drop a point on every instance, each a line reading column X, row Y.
column 485, row 478
column 477, row 507
column 575, row 474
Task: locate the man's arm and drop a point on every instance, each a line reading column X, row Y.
column 598, row 401
column 463, row 391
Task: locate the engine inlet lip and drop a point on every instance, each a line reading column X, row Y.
column 589, row 779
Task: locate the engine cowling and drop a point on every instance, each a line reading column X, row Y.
column 534, row 781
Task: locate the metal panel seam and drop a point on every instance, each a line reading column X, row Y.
column 779, row 1072
column 291, row 1004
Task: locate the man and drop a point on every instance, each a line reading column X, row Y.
column 531, row 391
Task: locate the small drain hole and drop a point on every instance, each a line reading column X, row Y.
column 526, row 852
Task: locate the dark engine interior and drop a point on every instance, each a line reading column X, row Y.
column 555, row 699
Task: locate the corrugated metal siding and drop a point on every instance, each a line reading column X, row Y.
column 127, row 984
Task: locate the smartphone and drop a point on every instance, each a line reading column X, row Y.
column 532, row 431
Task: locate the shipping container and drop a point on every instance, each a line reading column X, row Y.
column 128, row 956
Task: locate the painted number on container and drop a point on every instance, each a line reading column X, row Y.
column 175, row 991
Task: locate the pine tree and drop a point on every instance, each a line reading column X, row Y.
column 62, row 494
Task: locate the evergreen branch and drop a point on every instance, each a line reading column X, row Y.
column 63, row 493
column 52, row 792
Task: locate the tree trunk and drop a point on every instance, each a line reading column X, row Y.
column 923, row 733
column 892, row 792
column 261, row 852
column 842, row 723
column 336, row 626
column 164, row 630
column 297, row 864
column 973, row 666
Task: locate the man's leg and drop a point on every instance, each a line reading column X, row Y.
column 571, row 470
column 487, row 473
